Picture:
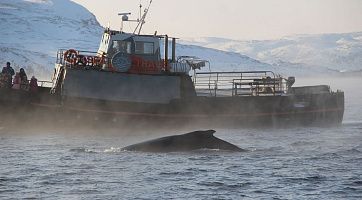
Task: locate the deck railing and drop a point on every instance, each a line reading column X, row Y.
column 80, row 57
column 250, row 83
column 47, row 84
column 92, row 60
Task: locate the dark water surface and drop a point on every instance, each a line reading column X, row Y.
column 293, row 163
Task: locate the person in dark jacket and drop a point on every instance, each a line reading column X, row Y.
column 8, row 72
column 8, row 69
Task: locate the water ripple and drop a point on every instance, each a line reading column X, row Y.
column 314, row 163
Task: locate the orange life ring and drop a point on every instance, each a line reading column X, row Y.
column 71, row 56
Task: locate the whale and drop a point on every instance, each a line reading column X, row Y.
column 195, row 140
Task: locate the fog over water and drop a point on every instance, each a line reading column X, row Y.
column 290, row 163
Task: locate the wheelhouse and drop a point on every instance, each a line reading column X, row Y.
column 144, row 46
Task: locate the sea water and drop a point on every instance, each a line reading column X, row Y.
column 290, row 163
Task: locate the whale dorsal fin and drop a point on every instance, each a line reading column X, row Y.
column 206, row 133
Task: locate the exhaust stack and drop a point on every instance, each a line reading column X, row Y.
column 166, row 53
column 173, row 50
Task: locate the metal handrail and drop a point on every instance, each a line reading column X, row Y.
column 236, row 72
column 60, row 55
column 239, row 83
column 42, row 83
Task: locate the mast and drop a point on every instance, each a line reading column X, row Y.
column 142, row 20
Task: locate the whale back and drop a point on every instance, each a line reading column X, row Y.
column 185, row 142
column 199, row 134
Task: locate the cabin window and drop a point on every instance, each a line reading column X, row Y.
column 121, row 46
column 144, row 48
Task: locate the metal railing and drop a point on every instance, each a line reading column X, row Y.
column 77, row 60
column 45, row 84
column 249, row 83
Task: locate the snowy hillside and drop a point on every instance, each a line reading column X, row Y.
column 222, row 60
column 340, row 52
column 232, row 61
column 33, row 30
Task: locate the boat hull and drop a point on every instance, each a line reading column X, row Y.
column 237, row 111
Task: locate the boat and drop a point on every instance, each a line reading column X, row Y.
column 129, row 82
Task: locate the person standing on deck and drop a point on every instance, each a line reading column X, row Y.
column 3, row 80
column 16, row 81
column 9, row 72
column 22, row 74
column 24, row 83
column 33, row 84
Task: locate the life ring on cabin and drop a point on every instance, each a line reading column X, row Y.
column 121, row 62
column 71, row 56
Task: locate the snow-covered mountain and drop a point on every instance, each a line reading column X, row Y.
column 223, row 60
column 31, row 32
column 324, row 52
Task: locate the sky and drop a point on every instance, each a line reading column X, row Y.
column 234, row 19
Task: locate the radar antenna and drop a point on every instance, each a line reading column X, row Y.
column 124, row 18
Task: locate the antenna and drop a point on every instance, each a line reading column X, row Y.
column 142, row 19
column 140, row 11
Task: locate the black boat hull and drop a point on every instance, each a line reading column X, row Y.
column 239, row 111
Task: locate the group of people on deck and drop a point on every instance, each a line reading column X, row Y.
column 20, row 80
